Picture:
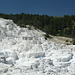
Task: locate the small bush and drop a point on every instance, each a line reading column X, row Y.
column 67, row 40
column 67, row 43
column 46, row 36
column 73, row 41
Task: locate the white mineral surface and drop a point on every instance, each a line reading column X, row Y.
column 26, row 52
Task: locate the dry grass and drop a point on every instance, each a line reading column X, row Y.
column 61, row 40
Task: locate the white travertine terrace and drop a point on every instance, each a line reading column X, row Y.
column 26, row 52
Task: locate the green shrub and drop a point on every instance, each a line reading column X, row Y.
column 73, row 41
column 67, row 40
column 47, row 36
column 68, row 44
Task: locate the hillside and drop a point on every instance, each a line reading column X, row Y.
column 27, row 52
column 53, row 25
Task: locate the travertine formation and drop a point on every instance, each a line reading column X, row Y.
column 26, row 52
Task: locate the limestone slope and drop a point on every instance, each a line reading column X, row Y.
column 26, row 52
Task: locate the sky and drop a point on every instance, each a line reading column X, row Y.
column 46, row 7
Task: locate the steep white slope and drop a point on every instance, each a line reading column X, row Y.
column 26, row 52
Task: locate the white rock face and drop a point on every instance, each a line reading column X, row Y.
column 26, row 52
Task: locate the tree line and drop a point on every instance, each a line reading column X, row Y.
column 58, row 26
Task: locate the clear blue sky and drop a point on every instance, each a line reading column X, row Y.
column 48, row 7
